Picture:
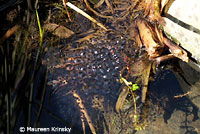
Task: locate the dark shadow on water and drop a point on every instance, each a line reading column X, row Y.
column 162, row 91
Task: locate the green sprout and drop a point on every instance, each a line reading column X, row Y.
column 40, row 28
column 132, row 86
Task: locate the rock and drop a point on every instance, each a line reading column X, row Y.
column 190, row 83
column 182, row 23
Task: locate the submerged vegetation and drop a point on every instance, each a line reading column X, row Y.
column 100, row 64
column 21, row 67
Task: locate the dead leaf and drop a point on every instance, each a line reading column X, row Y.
column 176, row 50
column 58, row 30
column 121, row 99
column 148, row 39
column 153, row 11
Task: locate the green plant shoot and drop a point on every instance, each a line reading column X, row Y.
column 131, row 86
column 134, row 87
column 40, row 28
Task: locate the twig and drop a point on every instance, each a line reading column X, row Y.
column 109, row 6
column 99, row 4
column 146, row 81
column 85, row 14
column 128, row 10
column 158, row 60
column 64, row 3
column 83, row 123
column 84, row 111
column 182, row 95
column 9, row 33
column 96, row 13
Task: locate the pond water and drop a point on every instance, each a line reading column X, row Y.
column 165, row 114
column 93, row 72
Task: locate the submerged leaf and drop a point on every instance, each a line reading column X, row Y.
column 58, row 30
